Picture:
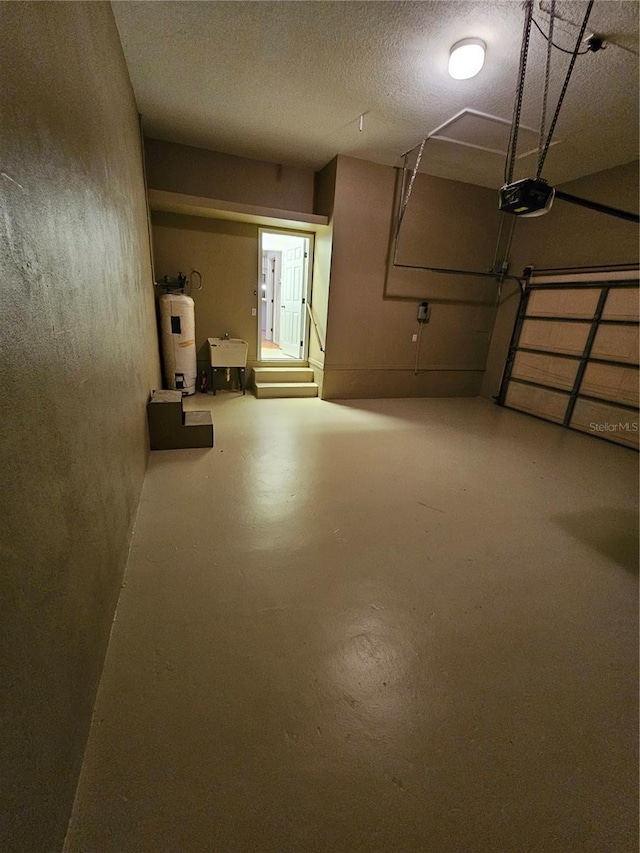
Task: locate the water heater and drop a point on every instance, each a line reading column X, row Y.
column 178, row 330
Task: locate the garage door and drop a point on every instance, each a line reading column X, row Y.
column 573, row 357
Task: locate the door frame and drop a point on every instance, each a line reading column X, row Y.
column 270, row 274
column 310, row 236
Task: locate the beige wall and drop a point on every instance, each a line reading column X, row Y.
column 567, row 236
column 325, row 189
column 370, row 323
column 79, row 358
column 196, row 171
column 570, row 236
column 366, row 321
column 448, row 225
column 324, row 194
column 368, row 312
column 226, row 253
column 320, row 294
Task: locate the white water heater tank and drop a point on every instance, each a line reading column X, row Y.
column 178, row 329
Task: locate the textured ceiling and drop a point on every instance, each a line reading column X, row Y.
column 287, row 81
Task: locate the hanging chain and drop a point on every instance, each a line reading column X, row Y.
column 405, row 169
column 574, row 56
column 405, row 200
column 515, row 124
column 547, row 75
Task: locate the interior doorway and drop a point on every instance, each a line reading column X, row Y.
column 285, row 264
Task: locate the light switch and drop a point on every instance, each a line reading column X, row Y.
column 254, row 312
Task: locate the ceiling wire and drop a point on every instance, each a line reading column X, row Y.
column 609, row 41
column 549, row 37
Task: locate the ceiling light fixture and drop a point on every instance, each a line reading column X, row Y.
column 466, row 58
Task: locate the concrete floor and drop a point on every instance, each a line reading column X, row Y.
column 378, row 626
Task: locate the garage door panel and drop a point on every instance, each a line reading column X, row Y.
column 573, row 359
column 617, row 343
column 563, row 303
column 622, row 304
column 569, row 338
column 545, row 369
column 611, row 382
column 542, row 402
column 607, row 421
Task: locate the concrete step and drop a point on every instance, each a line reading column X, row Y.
column 197, row 430
column 171, row 428
column 283, row 374
column 286, row 389
column 164, row 411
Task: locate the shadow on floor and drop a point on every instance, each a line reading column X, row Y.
column 612, row 532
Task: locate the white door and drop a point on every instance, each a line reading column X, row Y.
column 292, row 297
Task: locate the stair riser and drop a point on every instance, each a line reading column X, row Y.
column 272, row 393
column 303, row 374
column 188, row 437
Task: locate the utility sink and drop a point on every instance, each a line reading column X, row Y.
column 228, row 352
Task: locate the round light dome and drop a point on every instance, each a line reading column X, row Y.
column 466, row 58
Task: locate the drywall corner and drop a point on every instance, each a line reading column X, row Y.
column 325, row 189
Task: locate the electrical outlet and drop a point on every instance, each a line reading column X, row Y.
column 254, row 312
column 414, row 338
